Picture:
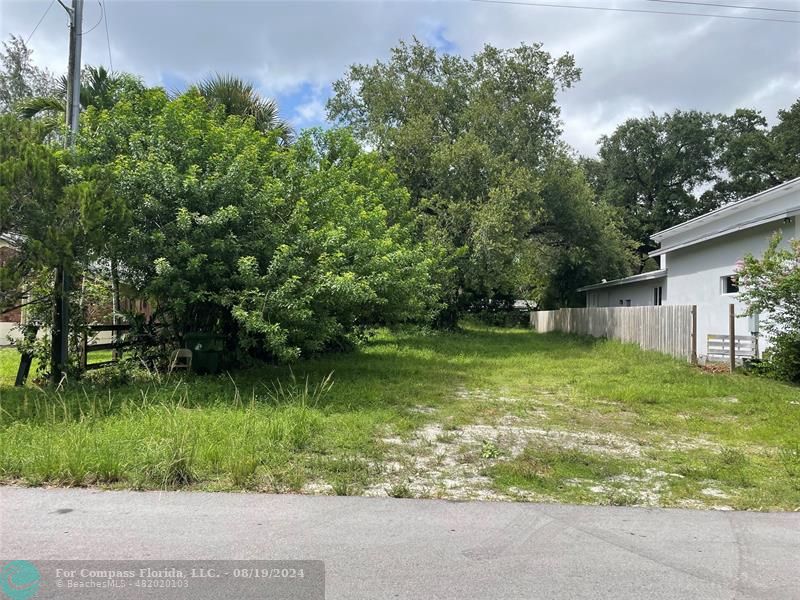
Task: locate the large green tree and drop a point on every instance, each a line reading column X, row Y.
column 661, row 170
column 56, row 220
column 785, row 135
column 283, row 251
column 754, row 156
column 476, row 140
column 652, row 168
column 100, row 89
column 20, row 78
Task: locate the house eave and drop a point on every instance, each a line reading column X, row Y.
column 649, row 276
column 727, row 209
column 782, row 214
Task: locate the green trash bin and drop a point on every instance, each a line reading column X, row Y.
column 206, row 351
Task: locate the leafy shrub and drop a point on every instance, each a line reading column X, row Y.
column 285, row 252
column 489, row 449
column 783, row 358
column 122, row 373
column 771, row 285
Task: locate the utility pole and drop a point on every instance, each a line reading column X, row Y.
column 60, row 335
column 74, row 69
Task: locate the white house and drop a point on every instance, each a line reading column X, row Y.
column 698, row 261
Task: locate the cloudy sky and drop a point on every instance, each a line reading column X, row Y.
column 632, row 63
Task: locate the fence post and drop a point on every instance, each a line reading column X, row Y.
column 732, row 335
column 26, row 358
column 693, row 352
column 84, row 356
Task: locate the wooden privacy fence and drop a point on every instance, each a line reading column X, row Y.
column 671, row 329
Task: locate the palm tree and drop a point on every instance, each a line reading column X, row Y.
column 238, row 97
column 99, row 88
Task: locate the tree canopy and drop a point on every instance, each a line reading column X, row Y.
column 20, row 78
column 100, row 88
column 651, row 169
column 661, row 170
column 476, row 142
column 756, row 157
column 239, row 97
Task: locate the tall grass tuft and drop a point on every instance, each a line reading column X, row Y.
column 303, row 393
column 161, row 436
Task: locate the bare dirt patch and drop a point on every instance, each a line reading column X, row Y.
column 645, row 489
column 449, row 459
column 449, row 463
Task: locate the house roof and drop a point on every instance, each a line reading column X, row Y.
column 722, row 221
column 650, row 275
column 703, row 225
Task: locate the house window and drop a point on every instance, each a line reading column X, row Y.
column 622, row 303
column 657, row 296
column 730, row 284
column 628, row 302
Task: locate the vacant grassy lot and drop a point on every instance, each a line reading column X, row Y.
column 486, row 413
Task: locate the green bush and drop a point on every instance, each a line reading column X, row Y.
column 782, row 360
column 770, row 285
column 284, row 251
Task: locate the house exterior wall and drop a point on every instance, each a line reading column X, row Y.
column 697, row 255
column 639, row 294
column 696, row 277
column 9, row 332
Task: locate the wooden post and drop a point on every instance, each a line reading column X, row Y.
column 84, row 350
column 693, row 355
column 732, row 335
column 26, row 359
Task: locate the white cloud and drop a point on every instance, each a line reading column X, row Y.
column 310, row 112
column 584, row 125
column 631, row 63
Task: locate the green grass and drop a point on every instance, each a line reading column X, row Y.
column 9, row 363
column 483, row 413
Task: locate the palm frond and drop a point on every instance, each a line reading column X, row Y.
column 239, row 97
column 62, row 87
column 98, row 87
column 33, row 107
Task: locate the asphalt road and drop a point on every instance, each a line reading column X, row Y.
column 427, row 549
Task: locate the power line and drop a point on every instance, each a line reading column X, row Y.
column 47, row 10
column 96, row 25
column 770, row 9
column 108, row 38
column 635, row 10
